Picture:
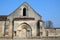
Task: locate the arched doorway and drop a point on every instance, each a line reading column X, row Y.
column 24, row 31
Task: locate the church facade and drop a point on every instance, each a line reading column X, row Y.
column 24, row 22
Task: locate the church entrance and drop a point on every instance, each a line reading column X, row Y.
column 24, row 31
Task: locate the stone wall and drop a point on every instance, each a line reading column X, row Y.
column 2, row 25
column 53, row 32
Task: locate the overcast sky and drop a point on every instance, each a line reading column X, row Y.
column 48, row 9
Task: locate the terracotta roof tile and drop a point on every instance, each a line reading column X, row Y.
column 3, row 18
column 24, row 19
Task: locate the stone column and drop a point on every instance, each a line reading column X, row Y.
column 11, row 29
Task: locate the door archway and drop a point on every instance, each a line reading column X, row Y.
column 24, row 31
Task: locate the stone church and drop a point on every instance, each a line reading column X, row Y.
column 24, row 22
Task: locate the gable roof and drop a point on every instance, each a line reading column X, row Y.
column 28, row 5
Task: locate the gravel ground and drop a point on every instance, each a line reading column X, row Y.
column 33, row 39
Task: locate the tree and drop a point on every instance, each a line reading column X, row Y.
column 49, row 24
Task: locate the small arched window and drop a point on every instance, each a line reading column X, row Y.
column 24, row 11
